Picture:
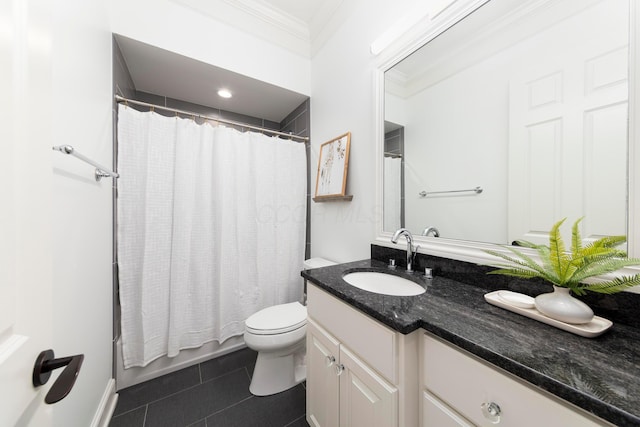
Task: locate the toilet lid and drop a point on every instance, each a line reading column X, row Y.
column 277, row 319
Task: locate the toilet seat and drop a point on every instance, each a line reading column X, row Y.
column 277, row 319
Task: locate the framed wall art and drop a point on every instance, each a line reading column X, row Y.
column 333, row 163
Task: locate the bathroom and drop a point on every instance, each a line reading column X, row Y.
column 64, row 218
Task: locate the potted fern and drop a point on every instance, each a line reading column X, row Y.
column 566, row 271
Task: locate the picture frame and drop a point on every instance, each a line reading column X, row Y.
column 333, row 164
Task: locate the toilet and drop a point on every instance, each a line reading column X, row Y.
column 278, row 334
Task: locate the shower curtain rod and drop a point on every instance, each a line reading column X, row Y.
column 121, row 99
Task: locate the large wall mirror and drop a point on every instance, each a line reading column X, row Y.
column 508, row 120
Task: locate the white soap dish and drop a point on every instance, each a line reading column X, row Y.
column 524, row 305
column 516, row 299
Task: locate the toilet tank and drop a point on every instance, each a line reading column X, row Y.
column 313, row 263
column 317, row 263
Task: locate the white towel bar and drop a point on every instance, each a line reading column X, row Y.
column 476, row 190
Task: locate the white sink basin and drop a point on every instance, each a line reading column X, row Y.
column 382, row 283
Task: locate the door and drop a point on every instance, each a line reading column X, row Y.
column 568, row 115
column 322, row 378
column 366, row 399
column 25, row 228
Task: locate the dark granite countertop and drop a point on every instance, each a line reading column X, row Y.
column 600, row 375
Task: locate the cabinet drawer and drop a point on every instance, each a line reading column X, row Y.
column 465, row 383
column 373, row 342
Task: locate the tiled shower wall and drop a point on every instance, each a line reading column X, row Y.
column 297, row 123
column 394, row 144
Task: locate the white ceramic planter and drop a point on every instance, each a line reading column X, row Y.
column 560, row 305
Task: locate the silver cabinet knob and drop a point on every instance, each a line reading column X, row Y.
column 491, row 412
column 339, row 369
column 330, row 360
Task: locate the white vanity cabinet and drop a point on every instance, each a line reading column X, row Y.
column 457, row 389
column 341, row 389
column 359, row 372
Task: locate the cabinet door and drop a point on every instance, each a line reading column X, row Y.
column 322, row 378
column 437, row 414
column 366, row 399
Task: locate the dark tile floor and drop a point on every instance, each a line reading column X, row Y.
column 211, row 394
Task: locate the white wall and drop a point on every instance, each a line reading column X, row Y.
column 442, row 155
column 177, row 28
column 81, row 212
column 342, row 99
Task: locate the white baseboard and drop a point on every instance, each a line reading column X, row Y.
column 107, row 405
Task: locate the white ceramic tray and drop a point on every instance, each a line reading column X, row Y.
column 523, row 304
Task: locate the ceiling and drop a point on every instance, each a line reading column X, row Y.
column 161, row 72
column 293, row 24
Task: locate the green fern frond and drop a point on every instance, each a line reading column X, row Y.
column 609, row 242
column 601, row 267
column 557, row 255
column 612, row 286
column 596, row 251
column 569, row 269
column 543, row 252
column 576, row 240
column 584, row 261
column 523, row 260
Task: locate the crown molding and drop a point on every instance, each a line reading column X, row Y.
column 256, row 18
column 273, row 17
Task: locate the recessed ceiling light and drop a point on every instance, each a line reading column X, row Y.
column 224, row 93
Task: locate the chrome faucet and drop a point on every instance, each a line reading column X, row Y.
column 411, row 252
column 433, row 230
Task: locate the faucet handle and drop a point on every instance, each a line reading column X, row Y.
column 428, row 273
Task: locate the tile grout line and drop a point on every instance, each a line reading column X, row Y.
column 129, row 410
column 200, row 371
column 144, row 420
column 303, row 417
column 230, row 406
column 226, row 373
column 197, row 421
column 189, row 388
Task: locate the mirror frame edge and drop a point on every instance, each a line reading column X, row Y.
column 633, row 208
column 470, row 251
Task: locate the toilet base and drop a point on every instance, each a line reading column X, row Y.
column 274, row 373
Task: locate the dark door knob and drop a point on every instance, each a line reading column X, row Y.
column 45, row 363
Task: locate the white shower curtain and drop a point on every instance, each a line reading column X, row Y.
column 211, row 228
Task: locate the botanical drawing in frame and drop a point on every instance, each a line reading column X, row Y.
column 333, row 163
